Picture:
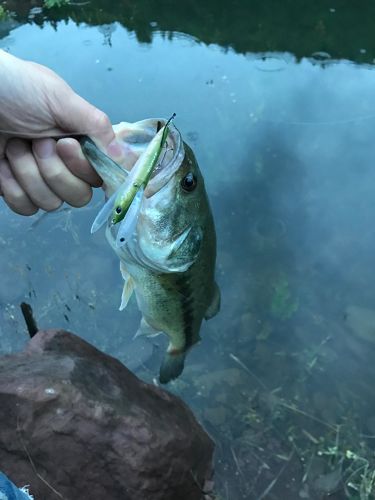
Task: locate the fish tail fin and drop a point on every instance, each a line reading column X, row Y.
column 172, row 366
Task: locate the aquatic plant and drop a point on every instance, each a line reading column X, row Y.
column 51, row 4
column 361, row 479
column 283, row 304
column 4, row 14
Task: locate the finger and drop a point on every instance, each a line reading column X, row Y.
column 101, row 130
column 14, row 196
column 76, row 114
column 26, row 172
column 58, row 177
column 71, row 154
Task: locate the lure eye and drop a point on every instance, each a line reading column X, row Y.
column 189, row 182
column 118, row 210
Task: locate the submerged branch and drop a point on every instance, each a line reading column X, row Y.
column 28, row 315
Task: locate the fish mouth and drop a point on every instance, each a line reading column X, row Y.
column 135, row 140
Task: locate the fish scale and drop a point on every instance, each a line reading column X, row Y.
column 187, row 305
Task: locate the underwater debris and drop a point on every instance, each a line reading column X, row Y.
column 28, row 315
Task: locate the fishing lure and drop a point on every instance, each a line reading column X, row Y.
column 142, row 170
column 129, row 195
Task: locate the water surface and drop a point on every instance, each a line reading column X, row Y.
column 281, row 116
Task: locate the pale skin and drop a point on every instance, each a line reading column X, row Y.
column 38, row 170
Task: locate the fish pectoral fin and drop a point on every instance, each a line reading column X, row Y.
column 145, row 329
column 128, row 288
column 214, row 307
column 124, row 272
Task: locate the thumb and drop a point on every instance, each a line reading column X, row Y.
column 78, row 116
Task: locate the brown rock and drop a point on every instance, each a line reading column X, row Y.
column 93, row 430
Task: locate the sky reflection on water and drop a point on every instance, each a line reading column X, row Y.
column 287, row 151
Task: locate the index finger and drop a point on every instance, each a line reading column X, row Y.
column 71, row 154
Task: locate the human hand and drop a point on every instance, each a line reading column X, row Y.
column 36, row 171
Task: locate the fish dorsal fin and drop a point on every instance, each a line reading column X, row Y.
column 145, row 329
column 128, row 287
column 214, row 307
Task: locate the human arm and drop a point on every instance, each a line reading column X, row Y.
column 37, row 171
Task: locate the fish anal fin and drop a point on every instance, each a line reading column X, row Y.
column 145, row 329
column 214, row 307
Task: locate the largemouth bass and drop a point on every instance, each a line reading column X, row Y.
column 168, row 258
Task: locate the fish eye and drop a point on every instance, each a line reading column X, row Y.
column 189, row 182
column 118, row 210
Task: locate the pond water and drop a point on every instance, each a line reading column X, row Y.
column 278, row 105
